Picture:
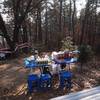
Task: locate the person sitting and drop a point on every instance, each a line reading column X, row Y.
column 46, row 71
column 63, row 66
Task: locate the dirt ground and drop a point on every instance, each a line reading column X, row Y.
column 13, row 81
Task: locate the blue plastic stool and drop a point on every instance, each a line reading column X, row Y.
column 65, row 79
column 33, row 83
column 45, row 81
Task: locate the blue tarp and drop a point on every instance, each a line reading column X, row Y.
column 65, row 61
column 33, row 64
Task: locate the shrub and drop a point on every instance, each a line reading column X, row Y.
column 67, row 44
column 85, row 54
column 97, row 50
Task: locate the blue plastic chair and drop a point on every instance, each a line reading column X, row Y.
column 65, row 79
column 45, row 81
column 33, row 83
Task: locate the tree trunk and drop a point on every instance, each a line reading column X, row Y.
column 46, row 27
column 73, row 20
column 16, row 34
column 60, row 18
column 70, row 18
column 39, row 25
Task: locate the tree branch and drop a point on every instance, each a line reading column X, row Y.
column 35, row 5
column 25, row 13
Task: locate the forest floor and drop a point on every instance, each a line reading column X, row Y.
column 13, row 81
